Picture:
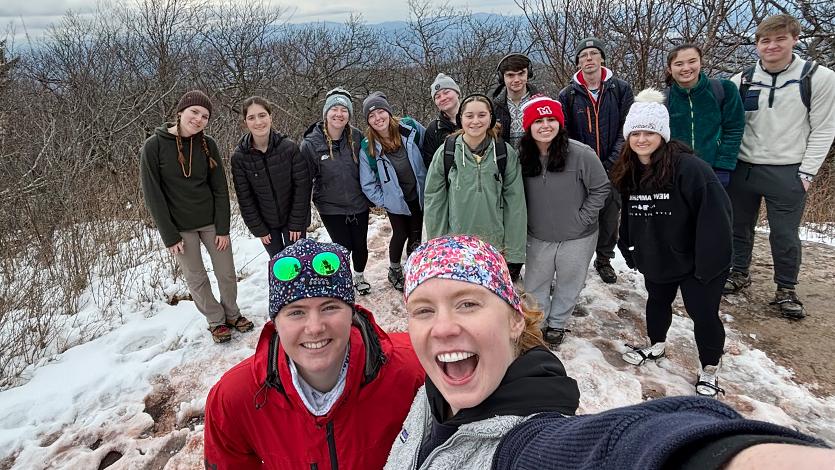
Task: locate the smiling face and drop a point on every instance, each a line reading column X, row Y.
column 192, row 120
column 516, row 81
column 447, row 101
column 314, row 333
column 379, row 121
column 644, row 143
column 258, row 120
column 337, row 117
column 775, row 49
column 685, row 68
column 475, row 119
column 545, row 129
column 464, row 336
column 590, row 60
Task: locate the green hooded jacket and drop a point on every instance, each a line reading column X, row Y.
column 477, row 200
column 695, row 119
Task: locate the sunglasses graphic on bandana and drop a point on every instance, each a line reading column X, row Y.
column 288, row 268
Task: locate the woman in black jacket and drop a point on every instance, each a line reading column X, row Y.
column 331, row 147
column 271, row 180
column 676, row 230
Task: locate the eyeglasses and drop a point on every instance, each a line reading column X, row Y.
column 288, row 268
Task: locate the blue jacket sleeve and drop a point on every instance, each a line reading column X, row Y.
column 369, row 180
column 628, row 437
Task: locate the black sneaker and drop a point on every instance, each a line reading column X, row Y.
column 605, row 270
column 396, row 278
column 736, row 282
column 554, row 336
column 787, row 301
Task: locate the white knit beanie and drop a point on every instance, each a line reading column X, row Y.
column 443, row 82
column 648, row 113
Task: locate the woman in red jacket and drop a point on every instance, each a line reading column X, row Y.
column 327, row 388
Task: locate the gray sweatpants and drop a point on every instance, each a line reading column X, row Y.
column 191, row 261
column 785, row 200
column 568, row 262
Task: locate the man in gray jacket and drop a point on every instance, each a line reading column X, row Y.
column 789, row 127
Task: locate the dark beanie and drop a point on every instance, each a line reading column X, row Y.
column 194, row 98
column 585, row 43
column 376, row 100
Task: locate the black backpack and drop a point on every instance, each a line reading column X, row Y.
column 715, row 86
column 805, row 82
column 449, row 156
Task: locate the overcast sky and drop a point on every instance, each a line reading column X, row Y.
column 35, row 15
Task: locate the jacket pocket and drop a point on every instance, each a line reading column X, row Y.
column 752, row 100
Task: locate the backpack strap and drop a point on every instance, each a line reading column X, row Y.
column 809, row 69
column 449, row 156
column 501, row 156
column 745, row 82
column 718, row 91
column 372, row 162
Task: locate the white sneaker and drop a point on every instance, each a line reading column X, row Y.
column 708, row 383
column 637, row 356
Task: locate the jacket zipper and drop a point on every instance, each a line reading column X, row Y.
column 272, row 189
column 332, row 446
column 692, row 124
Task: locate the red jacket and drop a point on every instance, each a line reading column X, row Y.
column 256, row 419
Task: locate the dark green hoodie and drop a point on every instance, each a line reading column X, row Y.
column 695, row 119
column 176, row 202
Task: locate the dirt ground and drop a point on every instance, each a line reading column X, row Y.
column 807, row 346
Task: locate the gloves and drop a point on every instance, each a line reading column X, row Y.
column 724, row 177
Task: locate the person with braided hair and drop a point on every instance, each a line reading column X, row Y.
column 185, row 191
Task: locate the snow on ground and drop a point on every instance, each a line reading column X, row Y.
column 136, row 394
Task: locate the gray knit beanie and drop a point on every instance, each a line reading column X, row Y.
column 338, row 97
column 376, row 100
column 443, row 82
column 585, row 43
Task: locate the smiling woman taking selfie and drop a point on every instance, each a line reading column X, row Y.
column 486, row 365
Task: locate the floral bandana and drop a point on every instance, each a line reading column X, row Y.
column 462, row 258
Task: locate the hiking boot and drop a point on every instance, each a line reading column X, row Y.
column 220, row 333
column 396, row 277
column 708, row 383
column 554, row 336
column 790, row 306
column 638, row 356
column 241, row 324
column 605, row 270
column 362, row 286
column 736, row 282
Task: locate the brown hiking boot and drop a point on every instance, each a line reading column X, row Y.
column 220, row 333
column 241, row 324
column 790, row 307
column 736, row 282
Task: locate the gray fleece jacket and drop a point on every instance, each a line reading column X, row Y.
column 470, row 448
column 564, row 205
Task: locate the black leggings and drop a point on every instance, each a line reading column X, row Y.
column 405, row 230
column 702, row 304
column 350, row 231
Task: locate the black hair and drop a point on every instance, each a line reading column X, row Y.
column 557, row 154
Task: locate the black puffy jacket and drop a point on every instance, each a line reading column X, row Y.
column 499, row 96
column 336, row 180
column 273, row 187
